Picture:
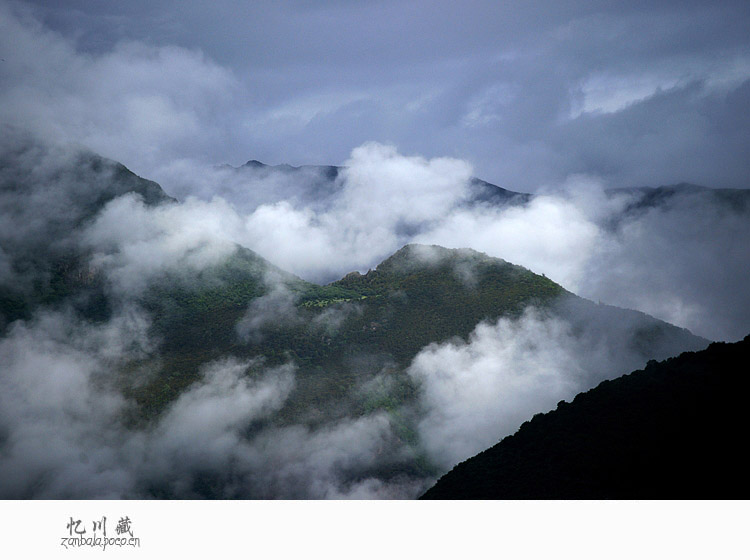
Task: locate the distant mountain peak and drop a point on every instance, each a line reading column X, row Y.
column 482, row 192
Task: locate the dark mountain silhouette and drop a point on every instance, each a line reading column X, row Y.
column 673, row 430
column 645, row 198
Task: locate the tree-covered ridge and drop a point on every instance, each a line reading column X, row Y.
column 424, row 294
column 388, row 315
column 670, row 431
column 49, row 195
column 347, row 347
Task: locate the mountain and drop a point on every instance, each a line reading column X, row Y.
column 418, row 296
column 353, row 341
column 316, row 185
column 351, row 344
column 48, row 194
column 319, row 184
column 685, row 195
column 670, row 431
column 340, row 334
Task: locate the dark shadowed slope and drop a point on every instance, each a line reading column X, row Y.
column 48, row 194
column 673, row 430
column 650, row 197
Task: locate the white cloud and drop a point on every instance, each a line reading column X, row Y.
column 608, row 92
column 475, row 393
column 136, row 103
column 133, row 242
column 551, row 235
column 64, row 430
column 383, row 197
column 62, row 414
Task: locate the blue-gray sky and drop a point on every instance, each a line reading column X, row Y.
column 637, row 93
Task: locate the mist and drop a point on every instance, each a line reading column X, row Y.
column 389, row 152
column 682, row 260
column 65, row 433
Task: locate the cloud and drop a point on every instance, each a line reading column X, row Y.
column 476, row 393
column 473, row 393
column 202, row 432
column 682, row 261
column 275, row 309
column 339, row 460
column 136, row 103
column 381, row 199
column 134, row 243
column 550, row 235
column 62, row 412
column 64, row 431
column 529, row 95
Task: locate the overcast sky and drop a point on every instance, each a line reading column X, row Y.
column 632, row 93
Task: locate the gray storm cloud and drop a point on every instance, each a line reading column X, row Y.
column 135, row 103
column 651, row 94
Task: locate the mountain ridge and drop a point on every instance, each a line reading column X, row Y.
column 482, row 191
column 351, row 344
column 667, row 431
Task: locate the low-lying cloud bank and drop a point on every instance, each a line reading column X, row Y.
column 64, row 431
column 682, row 258
column 67, row 428
column 67, row 431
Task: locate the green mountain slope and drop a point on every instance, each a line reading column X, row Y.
column 366, row 327
column 47, row 195
column 672, row 430
column 341, row 334
column 426, row 294
column 350, row 344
